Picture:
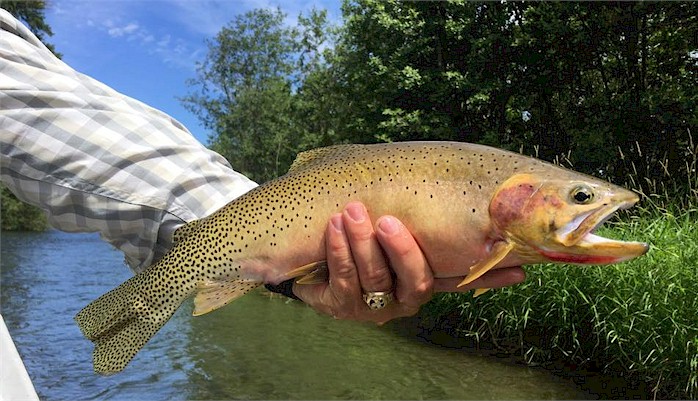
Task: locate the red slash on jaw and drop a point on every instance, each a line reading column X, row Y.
column 578, row 259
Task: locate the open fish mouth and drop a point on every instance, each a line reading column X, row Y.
column 582, row 246
column 585, row 224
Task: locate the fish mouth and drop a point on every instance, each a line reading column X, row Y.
column 582, row 246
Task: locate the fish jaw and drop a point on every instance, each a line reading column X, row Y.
column 595, row 250
column 582, row 246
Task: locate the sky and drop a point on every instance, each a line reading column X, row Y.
column 148, row 49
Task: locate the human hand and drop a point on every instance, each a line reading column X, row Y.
column 360, row 259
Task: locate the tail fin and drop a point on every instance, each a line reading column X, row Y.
column 121, row 321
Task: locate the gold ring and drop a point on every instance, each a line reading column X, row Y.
column 378, row 299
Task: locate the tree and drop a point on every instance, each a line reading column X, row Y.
column 258, row 90
column 426, row 70
column 320, row 109
column 19, row 216
column 245, row 89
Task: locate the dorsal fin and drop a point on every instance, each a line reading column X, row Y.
column 314, row 157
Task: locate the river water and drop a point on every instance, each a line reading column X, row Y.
column 259, row 347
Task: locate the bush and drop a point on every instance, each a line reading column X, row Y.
column 19, row 216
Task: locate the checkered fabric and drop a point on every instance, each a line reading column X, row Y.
column 96, row 160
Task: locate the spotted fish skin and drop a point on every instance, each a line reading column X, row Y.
column 468, row 206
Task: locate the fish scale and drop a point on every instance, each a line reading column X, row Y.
column 470, row 208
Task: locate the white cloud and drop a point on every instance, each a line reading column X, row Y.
column 164, row 41
column 207, row 17
column 119, row 31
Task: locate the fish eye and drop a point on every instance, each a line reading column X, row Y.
column 582, row 195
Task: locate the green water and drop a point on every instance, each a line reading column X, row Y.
column 259, row 347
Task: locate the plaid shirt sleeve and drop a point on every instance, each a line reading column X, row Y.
column 96, row 160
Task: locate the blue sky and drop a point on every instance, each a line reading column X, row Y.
column 148, row 49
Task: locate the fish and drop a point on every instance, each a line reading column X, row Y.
column 471, row 208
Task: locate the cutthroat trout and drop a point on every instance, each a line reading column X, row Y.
column 471, row 208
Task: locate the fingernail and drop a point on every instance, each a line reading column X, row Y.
column 389, row 225
column 336, row 222
column 356, row 212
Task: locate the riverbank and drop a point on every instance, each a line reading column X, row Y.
column 637, row 320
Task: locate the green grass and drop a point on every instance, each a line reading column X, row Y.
column 638, row 319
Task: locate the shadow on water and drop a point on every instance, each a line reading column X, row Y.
column 589, row 379
column 259, row 347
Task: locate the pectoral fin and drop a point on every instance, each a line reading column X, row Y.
column 499, row 251
column 312, row 273
column 480, row 291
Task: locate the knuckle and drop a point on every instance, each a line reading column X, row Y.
column 361, row 234
column 345, row 268
column 409, row 311
column 337, row 245
column 378, row 278
column 339, row 314
column 402, row 255
column 423, row 289
column 402, row 249
column 417, row 294
column 337, row 248
column 346, row 312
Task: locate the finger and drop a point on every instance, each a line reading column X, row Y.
column 414, row 280
column 497, row 278
column 340, row 296
column 344, row 279
column 368, row 257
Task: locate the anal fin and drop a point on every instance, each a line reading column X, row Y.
column 216, row 294
column 312, row 273
column 317, row 276
column 499, row 251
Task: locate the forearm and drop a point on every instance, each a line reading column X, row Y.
column 96, row 160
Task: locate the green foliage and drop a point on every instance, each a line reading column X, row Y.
column 421, row 70
column 19, row 216
column 244, row 92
